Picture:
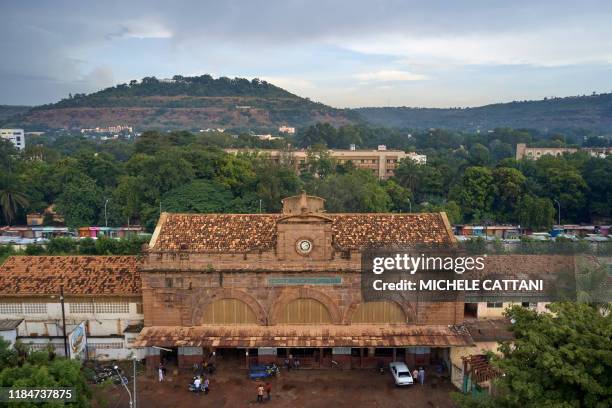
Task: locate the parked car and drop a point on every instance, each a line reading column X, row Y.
column 401, row 374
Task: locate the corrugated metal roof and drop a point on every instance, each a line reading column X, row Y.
column 10, row 324
column 251, row 336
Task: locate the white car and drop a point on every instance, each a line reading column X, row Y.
column 401, row 373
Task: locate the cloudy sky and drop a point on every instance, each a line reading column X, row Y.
column 343, row 53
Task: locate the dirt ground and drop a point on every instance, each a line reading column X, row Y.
column 230, row 387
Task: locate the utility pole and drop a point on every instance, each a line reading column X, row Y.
column 134, row 396
column 410, row 205
column 260, row 205
column 559, row 212
column 64, row 321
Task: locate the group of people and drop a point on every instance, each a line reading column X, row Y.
column 419, row 375
column 260, row 392
column 291, row 362
column 199, row 386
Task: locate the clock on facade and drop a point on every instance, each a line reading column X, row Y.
column 303, row 246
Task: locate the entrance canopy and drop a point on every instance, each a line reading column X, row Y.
column 253, row 336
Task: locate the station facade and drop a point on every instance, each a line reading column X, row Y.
column 264, row 287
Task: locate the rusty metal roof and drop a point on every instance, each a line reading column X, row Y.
column 251, row 336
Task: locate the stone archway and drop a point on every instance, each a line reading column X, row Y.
column 409, row 312
column 218, row 294
column 289, row 295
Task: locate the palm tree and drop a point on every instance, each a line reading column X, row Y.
column 11, row 198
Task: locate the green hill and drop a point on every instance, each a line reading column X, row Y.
column 7, row 111
column 185, row 103
column 593, row 113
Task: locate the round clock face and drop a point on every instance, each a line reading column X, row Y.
column 304, row 246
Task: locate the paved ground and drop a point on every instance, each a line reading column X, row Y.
column 304, row 388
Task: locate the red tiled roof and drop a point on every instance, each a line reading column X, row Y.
column 304, row 336
column 80, row 275
column 252, row 232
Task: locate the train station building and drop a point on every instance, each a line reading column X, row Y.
column 258, row 288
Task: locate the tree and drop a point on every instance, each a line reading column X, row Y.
column 203, row 196
column 80, row 202
column 401, row 197
column 509, row 188
column 41, row 369
column 357, row 191
column 11, row 197
column 535, row 213
column 479, row 155
column 475, row 193
column 560, row 359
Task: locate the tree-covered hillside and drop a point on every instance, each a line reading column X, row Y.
column 589, row 113
column 183, row 103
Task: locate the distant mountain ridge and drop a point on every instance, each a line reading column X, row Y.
column 185, row 103
column 593, row 113
column 202, row 102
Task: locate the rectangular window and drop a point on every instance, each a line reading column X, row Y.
column 105, row 346
column 168, row 282
column 112, row 307
column 35, row 308
column 495, row 305
column 139, row 308
column 11, row 308
column 81, row 307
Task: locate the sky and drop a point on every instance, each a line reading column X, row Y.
column 342, row 53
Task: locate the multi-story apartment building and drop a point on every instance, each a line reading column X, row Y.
column 381, row 162
column 15, row 136
column 522, row 151
column 103, row 292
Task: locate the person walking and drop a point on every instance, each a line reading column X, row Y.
column 260, row 393
column 161, row 372
column 206, row 385
column 421, row 375
column 269, row 390
column 415, row 375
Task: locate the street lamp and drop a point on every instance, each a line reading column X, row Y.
column 559, row 212
column 124, row 384
column 105, row 217
column 410, row 205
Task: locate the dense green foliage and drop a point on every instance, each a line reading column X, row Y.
column 473, row 177
column 575, row 113
column 561, row 359
column 22, row 368
column 477, row 174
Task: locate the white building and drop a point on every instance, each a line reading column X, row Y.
column 103, row 292
column 286, row 129
column 417, row 158
column 15, row 136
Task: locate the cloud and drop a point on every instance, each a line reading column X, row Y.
column 390, row 75
column 140, row 29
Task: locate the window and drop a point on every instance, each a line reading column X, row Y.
column 495, row 304
column 23, row 308
column 112, row 307
column 531, row 305
column 106, row 346
column 139, row 308
column 168, row 282
column 35, row 308
column 81, row 307
column 11, row 308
